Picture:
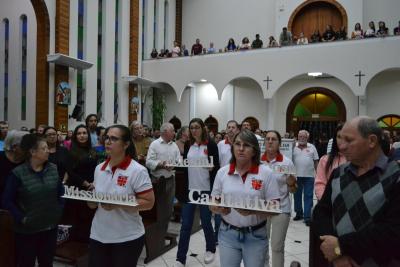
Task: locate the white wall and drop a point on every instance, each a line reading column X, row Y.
column 179, row 109
column 218, row 20
column 383, row 94
column 285, row 94
column 12, row 10
column 248, row 100
column 385, row 10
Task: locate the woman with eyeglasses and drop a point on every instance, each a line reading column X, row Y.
column 33, row 197
column 57, row 154
column 117, row 233
column 199, row 147
column 242, row 234
column 283, row 172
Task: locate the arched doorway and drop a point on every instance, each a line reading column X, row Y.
column 253, row 122
column 391, row 123
column 212, row 124
column 316, row 14
column 176, row 122
column 317, row 110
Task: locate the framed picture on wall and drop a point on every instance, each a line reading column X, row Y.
column 63, row 94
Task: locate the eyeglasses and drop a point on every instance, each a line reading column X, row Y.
column 51, row 134
column 111, row 139
column 271, row 139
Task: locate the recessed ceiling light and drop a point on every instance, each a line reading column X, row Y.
column 314, row 74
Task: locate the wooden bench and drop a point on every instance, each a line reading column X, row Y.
column 7, row 241
column 157, row 239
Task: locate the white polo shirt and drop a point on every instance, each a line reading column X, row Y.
column 119, row 225
column 160, row 151
column 224, row 152
column 258, row 182
column 199, row 178
column 281, row 160
column 303, row 160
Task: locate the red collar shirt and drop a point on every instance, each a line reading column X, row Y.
column 279, row 165
column 258, row 182
column 119, row 225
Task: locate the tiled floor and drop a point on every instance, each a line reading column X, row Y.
column 296, row 249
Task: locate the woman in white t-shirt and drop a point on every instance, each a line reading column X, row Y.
column 242, row 234
column 282, row 168
column 199, row 148
column 117, row 233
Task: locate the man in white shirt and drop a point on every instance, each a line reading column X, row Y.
column 224, row 146
column 305, row 159
column 162, row 151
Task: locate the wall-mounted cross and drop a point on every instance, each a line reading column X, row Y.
column 359, row 75
column 267, row 80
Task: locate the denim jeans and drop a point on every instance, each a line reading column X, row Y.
column 186, row 228
column 306, row 184
column 234, row 246
column 217, row 223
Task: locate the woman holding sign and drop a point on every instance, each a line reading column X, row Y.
column 242, row 234
column 283, row 171
column 199, row 149
column 117, row 233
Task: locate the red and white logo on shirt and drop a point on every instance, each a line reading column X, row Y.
column 256, row 184
column 122, row 180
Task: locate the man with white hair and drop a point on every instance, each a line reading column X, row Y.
column 305, row 159
column 11, row 157
column 162, row 151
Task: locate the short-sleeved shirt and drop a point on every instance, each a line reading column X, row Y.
column 224, row 152
column 258, row 182
column 284, row 197
column 199, row 178
column 303, row 160
column 119, row 225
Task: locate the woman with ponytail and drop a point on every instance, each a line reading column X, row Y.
column 117, row 233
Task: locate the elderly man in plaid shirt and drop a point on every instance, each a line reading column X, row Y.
column 358, row 217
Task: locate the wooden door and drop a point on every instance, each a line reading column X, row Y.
column 316, row 15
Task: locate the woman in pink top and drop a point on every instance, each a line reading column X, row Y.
column 328, row 163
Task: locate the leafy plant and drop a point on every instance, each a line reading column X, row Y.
column 158, row 109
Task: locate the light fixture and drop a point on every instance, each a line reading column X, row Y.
column 314, row 74
column 203, row 80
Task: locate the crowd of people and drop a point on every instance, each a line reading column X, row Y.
column 357, row 185
column 286, row 38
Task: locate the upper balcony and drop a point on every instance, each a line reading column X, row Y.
column 273, row 67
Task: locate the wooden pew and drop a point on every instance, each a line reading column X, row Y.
column 7, row 241
column 157, row 240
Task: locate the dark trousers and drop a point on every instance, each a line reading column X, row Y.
column 124, row 254
column 40, row 246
